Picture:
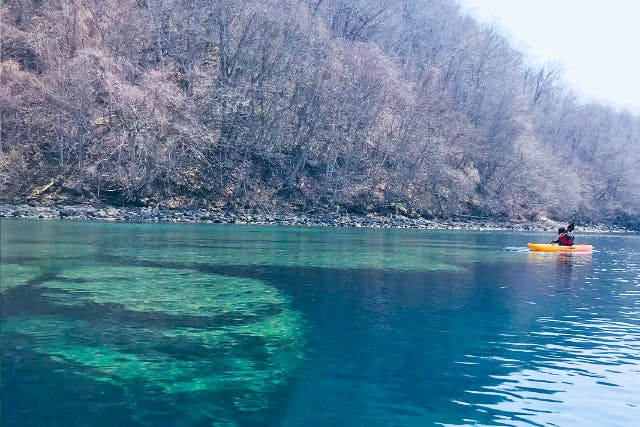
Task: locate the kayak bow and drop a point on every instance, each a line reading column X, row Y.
column 548, row 247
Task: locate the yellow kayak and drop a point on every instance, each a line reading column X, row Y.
column 548, row 247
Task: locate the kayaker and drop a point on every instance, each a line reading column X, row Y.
column 565, row 238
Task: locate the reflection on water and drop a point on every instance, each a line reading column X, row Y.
column 562, row 259
column 569, row 267
column 130, row 324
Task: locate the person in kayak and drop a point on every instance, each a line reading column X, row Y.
column 565, row 238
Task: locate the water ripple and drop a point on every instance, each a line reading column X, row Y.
column 588, row 362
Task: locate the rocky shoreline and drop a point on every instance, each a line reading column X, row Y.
column 221, row 216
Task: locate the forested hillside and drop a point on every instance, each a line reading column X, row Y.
column 299, row 105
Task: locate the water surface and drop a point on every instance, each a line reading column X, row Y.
column 158, row 324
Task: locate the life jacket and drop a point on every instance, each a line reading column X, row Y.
column 565, row 240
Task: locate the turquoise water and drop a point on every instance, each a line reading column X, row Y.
column 186, row 325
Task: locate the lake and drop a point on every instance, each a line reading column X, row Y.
column 109, row 324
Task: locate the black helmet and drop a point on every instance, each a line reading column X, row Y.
column 561, row 230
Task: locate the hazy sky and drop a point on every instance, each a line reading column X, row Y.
column 596, row 42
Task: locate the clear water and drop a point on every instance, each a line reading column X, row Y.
column 183, row 325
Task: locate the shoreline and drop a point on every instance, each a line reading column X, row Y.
column 221, row 216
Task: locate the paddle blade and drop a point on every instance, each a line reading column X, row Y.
column 570, row 227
